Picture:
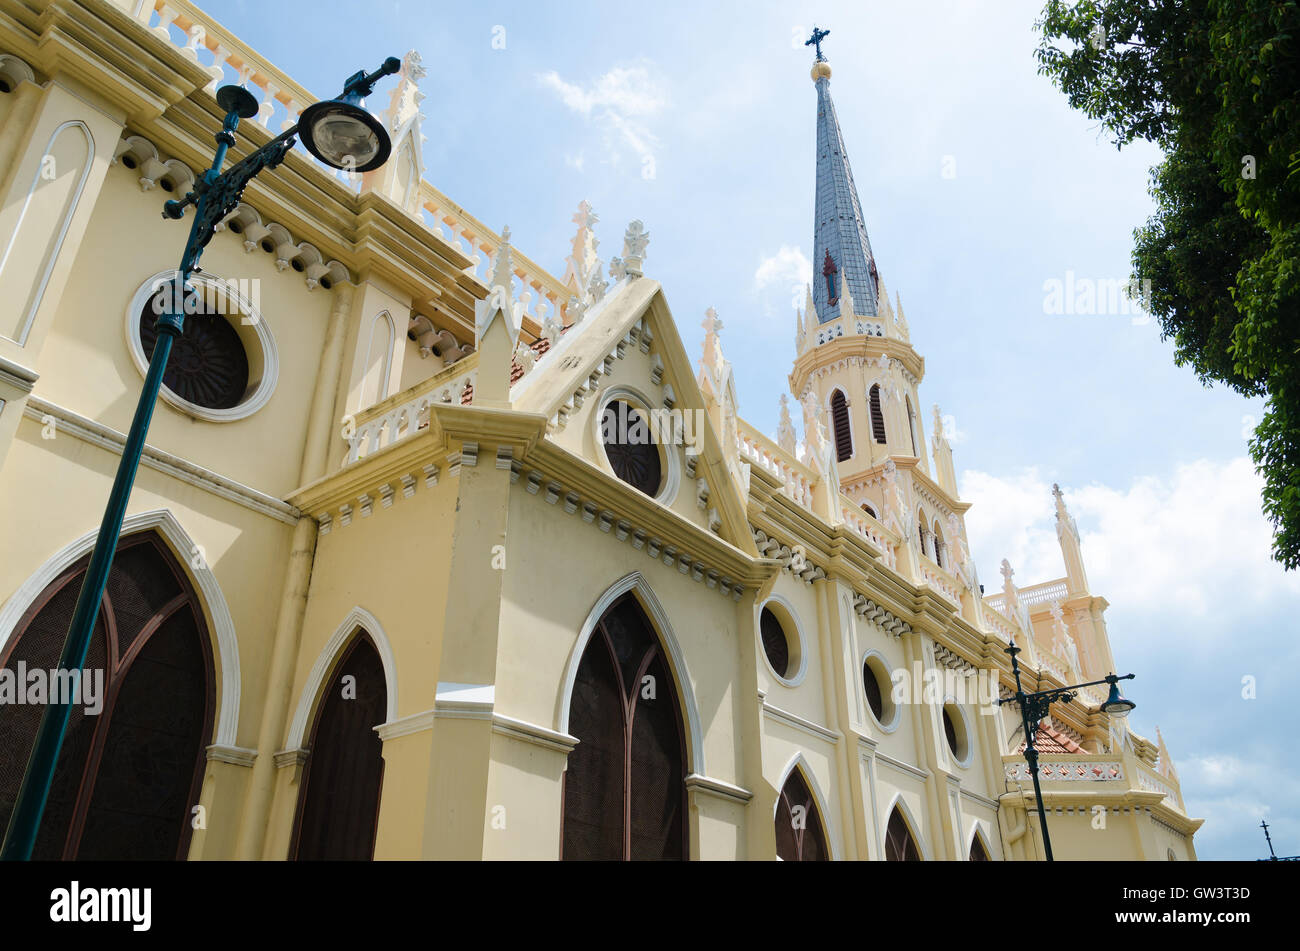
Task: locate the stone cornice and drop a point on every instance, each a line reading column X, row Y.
column 854, row 345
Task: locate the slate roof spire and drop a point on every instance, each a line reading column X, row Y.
column 841, row 248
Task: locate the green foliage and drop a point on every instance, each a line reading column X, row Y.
column 1216, row 84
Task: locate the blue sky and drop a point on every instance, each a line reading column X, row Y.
column 979, row 185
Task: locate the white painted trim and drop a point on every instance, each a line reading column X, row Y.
column 899, row 803
column 718, row 788
column 815, row 730
column 97, row 434
column 21, row 378
column 53, row 257
column 902, row 767
column 269, row 355
column 799, row 762
column 222, row 627
column 233, row 755
column 526, row 732
column 896, row 719
column 415, row 723
column 668, row 454
column 802, row 671
column 358, row 617
column 637, row 583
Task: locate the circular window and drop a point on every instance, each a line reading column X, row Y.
column 630, row 447
column 223, row 366
column 207, row 366
column 876, row 686
column 954, row 731
column 775, row 646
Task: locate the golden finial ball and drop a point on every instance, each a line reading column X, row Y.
column 821, row 70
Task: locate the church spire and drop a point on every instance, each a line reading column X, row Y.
column 841, row 248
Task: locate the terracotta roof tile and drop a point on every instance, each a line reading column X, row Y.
column 1048, row 740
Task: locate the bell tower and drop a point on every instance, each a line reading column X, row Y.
column 855, row 366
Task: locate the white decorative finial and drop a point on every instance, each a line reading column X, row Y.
column 582, row 259
column 503, row 269
column 596, row 286
column 635, row 240
column 525, row 356
column 1007, row 571
column 785, row 437
column 617, row 269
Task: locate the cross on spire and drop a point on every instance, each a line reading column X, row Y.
column 816, row 41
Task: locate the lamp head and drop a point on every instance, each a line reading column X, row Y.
column 1116, row 705
column 342, row 134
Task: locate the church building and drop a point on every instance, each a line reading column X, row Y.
column 433, row 554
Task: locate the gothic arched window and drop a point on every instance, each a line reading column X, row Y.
column 829, row 271
column 624, row 788
column 338, row 801
column 877, row 415
column 127, row 778
column 977, row 851
column 899, row 844
column 840, row 421
column 800, row 836
column 869, row 510
column 940, row 547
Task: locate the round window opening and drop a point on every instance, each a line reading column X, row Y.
column 208, row 365
column 775, row 644
column 877, row 686
column 630, row 448
column 954, row 731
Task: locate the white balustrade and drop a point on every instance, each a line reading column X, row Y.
column 381, row 426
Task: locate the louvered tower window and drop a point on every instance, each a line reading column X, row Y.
column 911, row 423
column 624, row 789
column 126, row 778
column 877, row 415
column 800, row 836
column 899, row 844
column 840, row 420
column 940, row 547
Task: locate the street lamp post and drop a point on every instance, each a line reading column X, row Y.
column 339, row 132
column 1035, row 706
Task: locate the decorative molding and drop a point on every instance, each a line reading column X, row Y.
column 18, row 376
column 86, row 429
column 234, row 755
column 899, row 765
column 532, row 733
column 415, row 723
column 292, row 757
column 718, row 788
column 799, row 723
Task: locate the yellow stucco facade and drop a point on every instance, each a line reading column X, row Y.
column 420, row 458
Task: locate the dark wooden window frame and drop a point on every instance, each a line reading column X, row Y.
column 629, row 713
column 841, row 425
column 119, row 668
column 877, row 414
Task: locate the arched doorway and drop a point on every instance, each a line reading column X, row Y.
column 800, row 834
column 900, row 845
column 624, row 787
column 338, row 802
column 128, row 775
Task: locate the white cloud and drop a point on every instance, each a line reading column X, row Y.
column 1168, row 546
column 620, row 102
column 787, row 268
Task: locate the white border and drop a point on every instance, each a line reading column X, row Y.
column 798, row 762
column 53, row 257
column 183, row 547
column 672, row 475
column 270, row 356
column 887, row 695
column 358, row 617
column 637, row 583
column 799, row 674
column 977, row 831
